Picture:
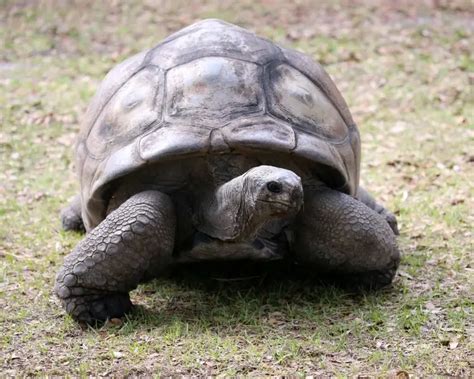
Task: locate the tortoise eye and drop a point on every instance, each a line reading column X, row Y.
column 274, row 187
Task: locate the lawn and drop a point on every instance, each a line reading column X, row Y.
column 406, row 70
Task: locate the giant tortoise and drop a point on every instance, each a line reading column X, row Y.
column 215, row 145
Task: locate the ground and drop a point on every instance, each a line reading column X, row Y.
column 406, row 70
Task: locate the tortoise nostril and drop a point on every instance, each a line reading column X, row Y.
column 274, row 187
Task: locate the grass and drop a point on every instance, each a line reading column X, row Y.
column 407, row 73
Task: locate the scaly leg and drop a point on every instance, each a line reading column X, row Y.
column 71, row 218
column 134, row 243
column 339, row 234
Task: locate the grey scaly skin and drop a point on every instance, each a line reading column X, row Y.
column 132, row 244
column 367, row 199
column 339, row 234
column 71, row 216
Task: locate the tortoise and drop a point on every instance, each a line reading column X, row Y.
column 217, row 145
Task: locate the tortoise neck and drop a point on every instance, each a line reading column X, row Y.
column 223, row 214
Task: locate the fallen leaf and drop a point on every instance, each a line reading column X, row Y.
column 430, row 306
column 402, row 374
column 405, row 274
column 116, row 321
column 118, row 354
column 453, row 344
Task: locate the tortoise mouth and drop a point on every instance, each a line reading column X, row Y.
column 277, row 204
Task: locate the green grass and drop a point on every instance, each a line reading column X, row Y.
column 407, row 75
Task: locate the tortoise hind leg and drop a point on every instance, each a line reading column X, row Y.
column 339, row 235
column 71, row 218
column 367, row 199
column 134, row 243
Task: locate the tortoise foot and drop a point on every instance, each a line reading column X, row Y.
column 93, row 309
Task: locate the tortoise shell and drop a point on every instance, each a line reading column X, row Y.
column 213, row 88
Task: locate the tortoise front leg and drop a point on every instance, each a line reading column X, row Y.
column 134, row 243
column 340, row 235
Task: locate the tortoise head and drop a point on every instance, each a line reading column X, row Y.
column 271, row 192
column 242, row 206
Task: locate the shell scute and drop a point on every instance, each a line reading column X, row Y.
column 211, row 87
column 132, row 110
column 296, row 99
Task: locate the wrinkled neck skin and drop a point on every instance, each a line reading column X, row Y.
column 227, row 216
column 237, row 210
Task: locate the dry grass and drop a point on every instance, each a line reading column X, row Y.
column 407, row 72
